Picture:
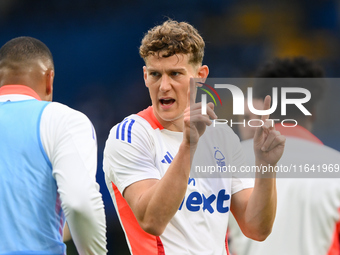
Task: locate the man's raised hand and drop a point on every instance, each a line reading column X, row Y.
column 194, row 122
column 268, row 142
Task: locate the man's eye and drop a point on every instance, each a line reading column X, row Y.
column 175, row 73
column 154, row 74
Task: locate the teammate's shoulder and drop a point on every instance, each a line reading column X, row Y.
column 59, row 107
column 322, row 149
column 62, row 111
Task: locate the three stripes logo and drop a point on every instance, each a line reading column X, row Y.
column 123, row 131
column 204, row 97
column 167, row 158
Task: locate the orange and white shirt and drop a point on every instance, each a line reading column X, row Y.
column 308, row 209
column 139, row 148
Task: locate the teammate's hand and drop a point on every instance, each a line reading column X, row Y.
column 194, row 122
column 268, row 142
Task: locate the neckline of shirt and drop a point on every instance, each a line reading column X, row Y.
column 21, row 90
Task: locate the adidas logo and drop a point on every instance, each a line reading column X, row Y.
column 167, row 158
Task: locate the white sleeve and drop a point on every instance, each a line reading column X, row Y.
column 240, row 180
column 126, row 162
column 69, row 140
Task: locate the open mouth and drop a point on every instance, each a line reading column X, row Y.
column 168, row 101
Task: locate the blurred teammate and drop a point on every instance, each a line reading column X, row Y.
column 308, row 209
column 147, row 159
column 48, row 160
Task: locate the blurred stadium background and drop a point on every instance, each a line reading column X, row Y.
column 99, row 71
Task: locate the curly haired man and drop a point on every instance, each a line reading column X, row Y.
column 148, row 157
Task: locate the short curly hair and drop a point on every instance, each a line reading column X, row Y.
column 173, row 38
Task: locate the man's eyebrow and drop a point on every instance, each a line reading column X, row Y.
column 150, row 69
column 179, row 69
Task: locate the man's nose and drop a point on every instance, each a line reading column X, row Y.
column 165, row 84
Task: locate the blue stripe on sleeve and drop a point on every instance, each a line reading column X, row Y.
column 117, row 131
column 123, row 130
column 129, row 130
column 167, row 159
column 170, row 155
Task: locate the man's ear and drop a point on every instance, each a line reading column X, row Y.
column 145, row 75
column 49, row 75
column 203, row 72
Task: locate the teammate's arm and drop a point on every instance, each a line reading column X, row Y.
column 255, row 209
column 155, row 202
column 69, row 140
